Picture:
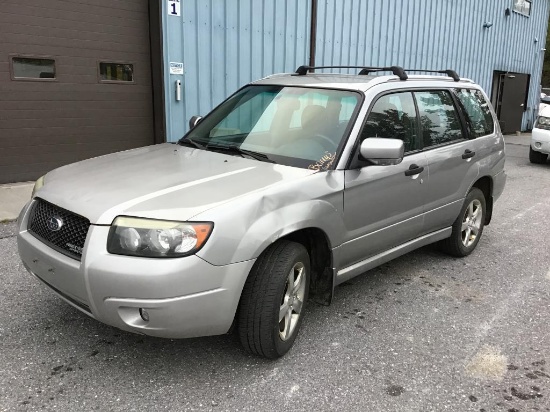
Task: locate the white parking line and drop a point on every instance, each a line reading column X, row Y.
column 521, row 214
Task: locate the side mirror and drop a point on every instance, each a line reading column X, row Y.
column 193, row 121
column 382, row 152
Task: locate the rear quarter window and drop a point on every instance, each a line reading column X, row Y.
column 480, row 120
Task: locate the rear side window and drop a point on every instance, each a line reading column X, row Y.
column 393, row 116
column 438, row 117
column 477, row 109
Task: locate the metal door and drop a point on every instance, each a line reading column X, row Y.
column 511, row 98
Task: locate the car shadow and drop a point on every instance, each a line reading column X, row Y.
column 92, row 342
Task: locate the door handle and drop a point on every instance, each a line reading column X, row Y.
column 468, row 154
column 413, row 170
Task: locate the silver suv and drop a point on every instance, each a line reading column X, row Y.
column 293, row 185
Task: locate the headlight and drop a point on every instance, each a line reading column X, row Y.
column 37, row 185
column 543, row 122
column 156, row 238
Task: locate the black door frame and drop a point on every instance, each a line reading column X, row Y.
column 157, row 71
column 498, row 93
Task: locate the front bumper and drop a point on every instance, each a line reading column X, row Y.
column 184, row 297
column 540, row 140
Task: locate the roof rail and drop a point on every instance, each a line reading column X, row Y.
column 448, row 72
column 397, row 70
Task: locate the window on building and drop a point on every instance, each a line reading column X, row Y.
column 33, row 68
column 393, row 116
column 522, row 7
column 480, row 120
column 116, row 72
column 438, row 117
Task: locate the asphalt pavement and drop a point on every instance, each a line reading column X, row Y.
column 425, row 332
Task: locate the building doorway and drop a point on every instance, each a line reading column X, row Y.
column 509, row 98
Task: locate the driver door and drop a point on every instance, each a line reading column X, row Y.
column 384, row 205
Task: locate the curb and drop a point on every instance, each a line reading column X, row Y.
column 13, row 197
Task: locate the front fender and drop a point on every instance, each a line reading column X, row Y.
column 277, row 224
column 242, row 230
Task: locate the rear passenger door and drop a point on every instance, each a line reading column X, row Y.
column 450, row 154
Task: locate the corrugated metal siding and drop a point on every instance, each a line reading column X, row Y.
column 436, row 34
column 226, row 44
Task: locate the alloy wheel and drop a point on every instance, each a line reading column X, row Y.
column 293, row 300
column 471, row 223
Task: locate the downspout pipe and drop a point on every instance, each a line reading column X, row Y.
column 313, row 34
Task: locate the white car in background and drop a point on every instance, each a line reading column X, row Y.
column 544, row 101
column 540, row 140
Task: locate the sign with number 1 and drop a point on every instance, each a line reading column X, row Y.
column 174, row 8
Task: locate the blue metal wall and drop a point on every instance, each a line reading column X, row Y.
column 436, row 34
column 225, row 44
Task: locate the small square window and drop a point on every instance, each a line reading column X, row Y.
column 116, row 72
column 33, row 68
column 522, row 7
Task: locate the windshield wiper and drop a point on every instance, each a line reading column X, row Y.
column 243, row 152
column 191, row 142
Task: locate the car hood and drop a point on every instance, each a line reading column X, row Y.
column 544, row 109
column 164, row 181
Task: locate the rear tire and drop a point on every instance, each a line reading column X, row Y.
column 468, row 226
column 537, row 157
column 273, row 299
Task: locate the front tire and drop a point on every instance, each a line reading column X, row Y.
column 273, row 299
column 537, row 157
column 468, row 226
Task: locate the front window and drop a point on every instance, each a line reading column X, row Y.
column 293, row 126
column 394, row 116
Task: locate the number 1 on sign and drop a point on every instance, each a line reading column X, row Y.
column 174, row 7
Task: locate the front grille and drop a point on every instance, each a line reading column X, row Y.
column 62, row 230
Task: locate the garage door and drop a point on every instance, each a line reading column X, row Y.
column 75, row 82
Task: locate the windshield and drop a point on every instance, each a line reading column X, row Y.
column 294, row 126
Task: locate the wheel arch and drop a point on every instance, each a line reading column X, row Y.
column 318, row 245
column 485, row 184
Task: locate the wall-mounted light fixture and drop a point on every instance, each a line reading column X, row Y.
column 536, row 40
column 487, row 24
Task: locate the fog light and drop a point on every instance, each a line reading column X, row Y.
column 538, row 145
column 144, row 315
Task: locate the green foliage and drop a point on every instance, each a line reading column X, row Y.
column 545, row 81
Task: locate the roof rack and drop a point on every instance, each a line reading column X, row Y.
column 397, row 70
column 448, row 72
